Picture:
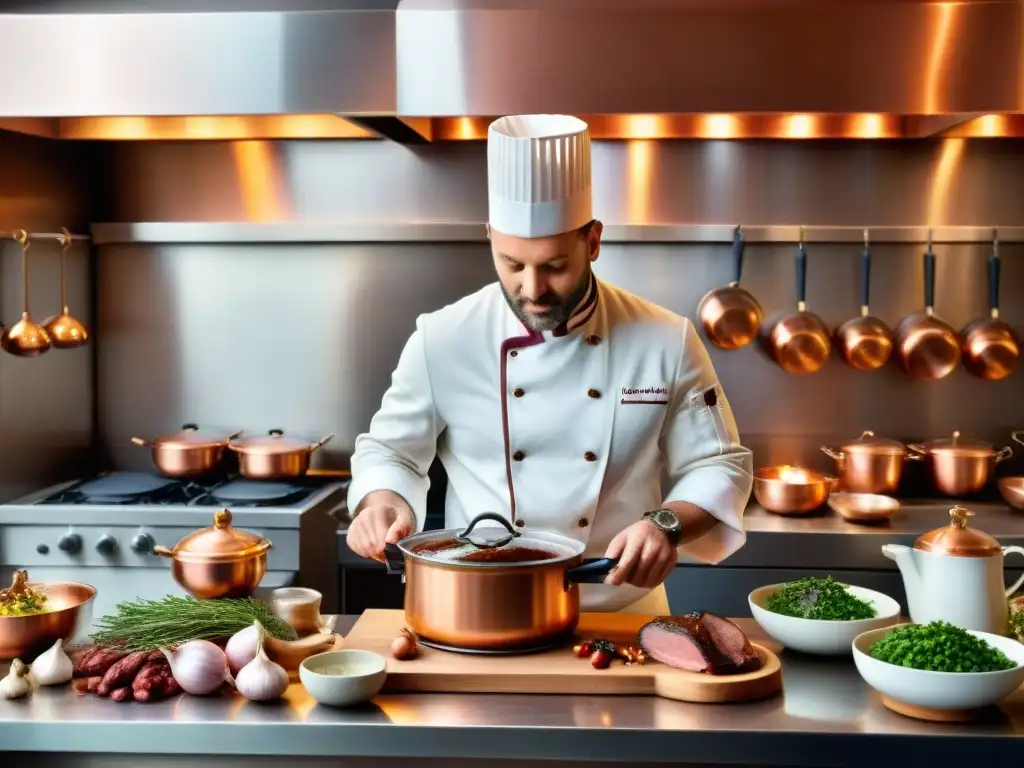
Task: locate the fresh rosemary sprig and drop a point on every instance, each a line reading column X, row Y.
column 146, row 625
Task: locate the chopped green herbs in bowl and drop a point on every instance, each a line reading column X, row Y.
column 820, row 616
column 939, row 647
column 819, row 599
column 939, row 666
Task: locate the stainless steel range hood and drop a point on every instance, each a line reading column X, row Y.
column 102, row 58
column 902, row 57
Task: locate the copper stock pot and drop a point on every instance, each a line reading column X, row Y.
column 274, row 456
column 499, row 590
column 220, row 561
column 870, row 464
column 188, row 453
column 960, row 466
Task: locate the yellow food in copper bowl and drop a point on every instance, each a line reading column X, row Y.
column 34, row 616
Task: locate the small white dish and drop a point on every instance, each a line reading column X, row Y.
column 343, row 678
column 940, row 690
column 822, row 638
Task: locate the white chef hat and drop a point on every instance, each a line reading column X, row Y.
column 538, row 175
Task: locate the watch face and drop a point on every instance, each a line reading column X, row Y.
column 666, row 519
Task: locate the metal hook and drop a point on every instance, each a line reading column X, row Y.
column 866, row 239
column 801, row 236
column 929, row 239
column 995, row 241
column 738, row 230
column 20, row 236
column 64, row 238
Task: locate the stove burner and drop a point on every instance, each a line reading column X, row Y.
column 146, row 490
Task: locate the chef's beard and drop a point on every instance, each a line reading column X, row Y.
column 561, row 309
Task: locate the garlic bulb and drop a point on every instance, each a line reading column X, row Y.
column 199, row 666
column 17, row 682
column 261, row 679
column 241, row 648
column 53, row 667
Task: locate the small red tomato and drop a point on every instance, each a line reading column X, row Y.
column 600, row 659
column 584, row 649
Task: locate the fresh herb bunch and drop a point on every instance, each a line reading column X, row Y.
column 146, row 625
column 938, row 647
column 1017, row 621
column 819, row 599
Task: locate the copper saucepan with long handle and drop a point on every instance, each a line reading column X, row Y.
column 865, row 342
column 927, row 348
column 990, row 347
column 730, row 315
column 800, row 342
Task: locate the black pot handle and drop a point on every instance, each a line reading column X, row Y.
column 394, row 559
column 465, row 538
column 591, row 571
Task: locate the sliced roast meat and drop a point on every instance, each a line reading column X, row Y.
column 698, row 642
column 730, row 640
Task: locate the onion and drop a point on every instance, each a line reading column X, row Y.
column 199, row 666
column 241, row 648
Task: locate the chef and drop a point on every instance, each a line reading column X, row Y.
column 559, row 400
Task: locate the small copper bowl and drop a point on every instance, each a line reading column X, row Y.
column 25, row 637
column 863, row 507
column 1012, row 490
column 788, row 490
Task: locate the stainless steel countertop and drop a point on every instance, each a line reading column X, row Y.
column 826, row 716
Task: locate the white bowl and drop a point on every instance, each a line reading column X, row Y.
column 940, row 690
column 823, row 638
column 343, row 678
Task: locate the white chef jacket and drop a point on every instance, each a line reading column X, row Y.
column 578, row 431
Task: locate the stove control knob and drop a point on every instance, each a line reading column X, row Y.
column 143, row 543
column 106, row 544
column 70, row 543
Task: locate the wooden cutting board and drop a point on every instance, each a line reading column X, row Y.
column 557, row 671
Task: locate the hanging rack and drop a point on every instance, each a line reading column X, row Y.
column 55, row 236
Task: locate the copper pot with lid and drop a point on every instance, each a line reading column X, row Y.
column 869, row 464
column 220, row 561
column 275, row 456
column 516, row 591
column 188, row 453
column 960, row 466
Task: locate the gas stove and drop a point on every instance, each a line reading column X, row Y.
column 101, row 530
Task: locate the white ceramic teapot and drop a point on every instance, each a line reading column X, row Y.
column 955, row 574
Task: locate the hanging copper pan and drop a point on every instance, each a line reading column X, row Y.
column 800, row 342
column 730, row 315
column 865, row 342
column 989, row 346
column 927, row 348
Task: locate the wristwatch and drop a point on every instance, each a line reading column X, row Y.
column 666, row 522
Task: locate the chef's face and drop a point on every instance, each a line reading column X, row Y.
column 544, row 278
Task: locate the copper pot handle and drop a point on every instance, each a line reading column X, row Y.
column 140, row 442
column 321, row 442
column 837, row 456
column 1016, row 436
column 162, row 551
column 918, row 449
column 1004, row 454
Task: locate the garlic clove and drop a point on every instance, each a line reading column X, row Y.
column 53, row 666
column 261, row 679
column 17, row 683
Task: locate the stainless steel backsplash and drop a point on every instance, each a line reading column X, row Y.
column 305, row 337
column 46, row 403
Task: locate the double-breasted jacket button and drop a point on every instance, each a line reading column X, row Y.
column 590, row 456
column 593, row 340
column 518, row 456
column 593, row 393
column 520, row 523
column 518, row 392
column 583, row 522
column 513, row 353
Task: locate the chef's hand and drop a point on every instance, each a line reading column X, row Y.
column 378, row 524
column 646, row 557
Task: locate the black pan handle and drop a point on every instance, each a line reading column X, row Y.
column 801, row 274
column 190, row 427
column 465, row 538
column 929, row 279
column 591, row 571
column 737, row 255
column 993, row 284
column 865, row 279
column 394, row 559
